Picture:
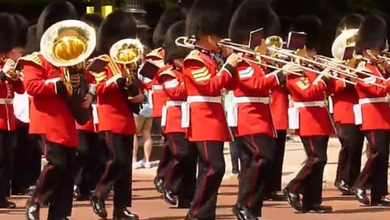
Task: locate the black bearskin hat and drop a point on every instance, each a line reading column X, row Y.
column 117, row 26
column 372, row 34
column 8, row 32
column 351, row 21
column 33, row 44
column 168, row 18
column 95, row 20
column 22, row 31
column 53, row 13
column 252, row 15
column 209, row 17
column 311, row 25
column 172, row 51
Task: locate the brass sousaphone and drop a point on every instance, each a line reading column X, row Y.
column 67, row 45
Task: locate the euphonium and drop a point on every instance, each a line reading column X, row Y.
column 67, row 45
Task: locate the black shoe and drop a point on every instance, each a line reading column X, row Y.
column 273, row 196
column 159, row 184
column 83, row 197
column 235, row 171
column 184, row 203
column 361, row 196
column 343, row 187
column 32, row 210
column 124, row 214
column 99, row 207
column 318, row 209
column 293, row 199
column 383, row 201
column 243, row 213
column 190, row 217
column 169, row 197
column 7, row 205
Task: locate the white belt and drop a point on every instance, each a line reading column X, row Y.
column 293, row 113
column 309, row 104
column 357, row 109
column 95, row 114
column 232, row 111
column 185, row 107
column 6, row 101
column 165, row 110
column 157, row 87
column 372, row 100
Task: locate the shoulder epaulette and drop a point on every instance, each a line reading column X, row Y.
column 34, row 57
column 155, row 53
column 195, row 55
column 168, row 72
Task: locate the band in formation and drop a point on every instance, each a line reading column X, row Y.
column 88, row 79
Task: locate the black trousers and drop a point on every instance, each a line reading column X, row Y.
column 308, row 182
column 254, row 178
column 351, row 139
column 275, row 183
column 211, row 171
column 26, row 161
column 118, row 172
column 374, row 173
column 235, row 151
column 165, row 160
column 55, row 184
column 6, row 158
column 181, row 172
column 92, row 156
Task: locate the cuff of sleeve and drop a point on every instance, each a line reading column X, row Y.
column 230, row 69
column 53, row 83
column 92, row 89
column 3, row 76
column 325, row 80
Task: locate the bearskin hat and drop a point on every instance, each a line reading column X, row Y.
column 209, row 17
column 168, row 18
column 351, row 21
column 22, row 31
column 172, row 51
column 53, row 13
column 252, row 15
column 8, row 32
column 117, row 26
column 95, row 20
column 33, row 43
column 311, row 25
column 372, row 34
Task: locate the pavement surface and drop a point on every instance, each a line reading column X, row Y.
column 148, row 204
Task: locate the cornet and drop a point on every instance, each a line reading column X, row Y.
column 13, row 74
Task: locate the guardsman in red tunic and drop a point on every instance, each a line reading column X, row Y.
column 157, row 96
column 204, row 114
column 51, row 117
column 250, row 114
column 116, row 120
column 373, row 112
column 10, row 82
column 91, row 154
column 310, row 118
column 344, row 98
column 180, row 181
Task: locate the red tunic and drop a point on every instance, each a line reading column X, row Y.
column 344, row 98
column 313, row 120
column 253, row 116
column 375, row 116
column 207, row 119
column 279, row 107
column 7, row 89
column 173, row 86
column 49, row 112
column 113, row 110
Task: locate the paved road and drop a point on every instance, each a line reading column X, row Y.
column 149, row 205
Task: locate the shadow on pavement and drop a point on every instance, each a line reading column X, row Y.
column 362, row 210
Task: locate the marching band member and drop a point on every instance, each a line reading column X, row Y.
column 116, row 120
column 251, row 116
column 158, row 96
column 374, row 112
column 9, row 82
column 311, row 120
column 207, row 21
column 180, row 180
column 351, row 138
column 43, row 82
column 91, row 153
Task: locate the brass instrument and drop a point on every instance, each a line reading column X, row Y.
column 13, row 74
column 127, row 52
column 67, row 45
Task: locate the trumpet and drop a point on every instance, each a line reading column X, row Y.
column 67, row 44
column 13, row 74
